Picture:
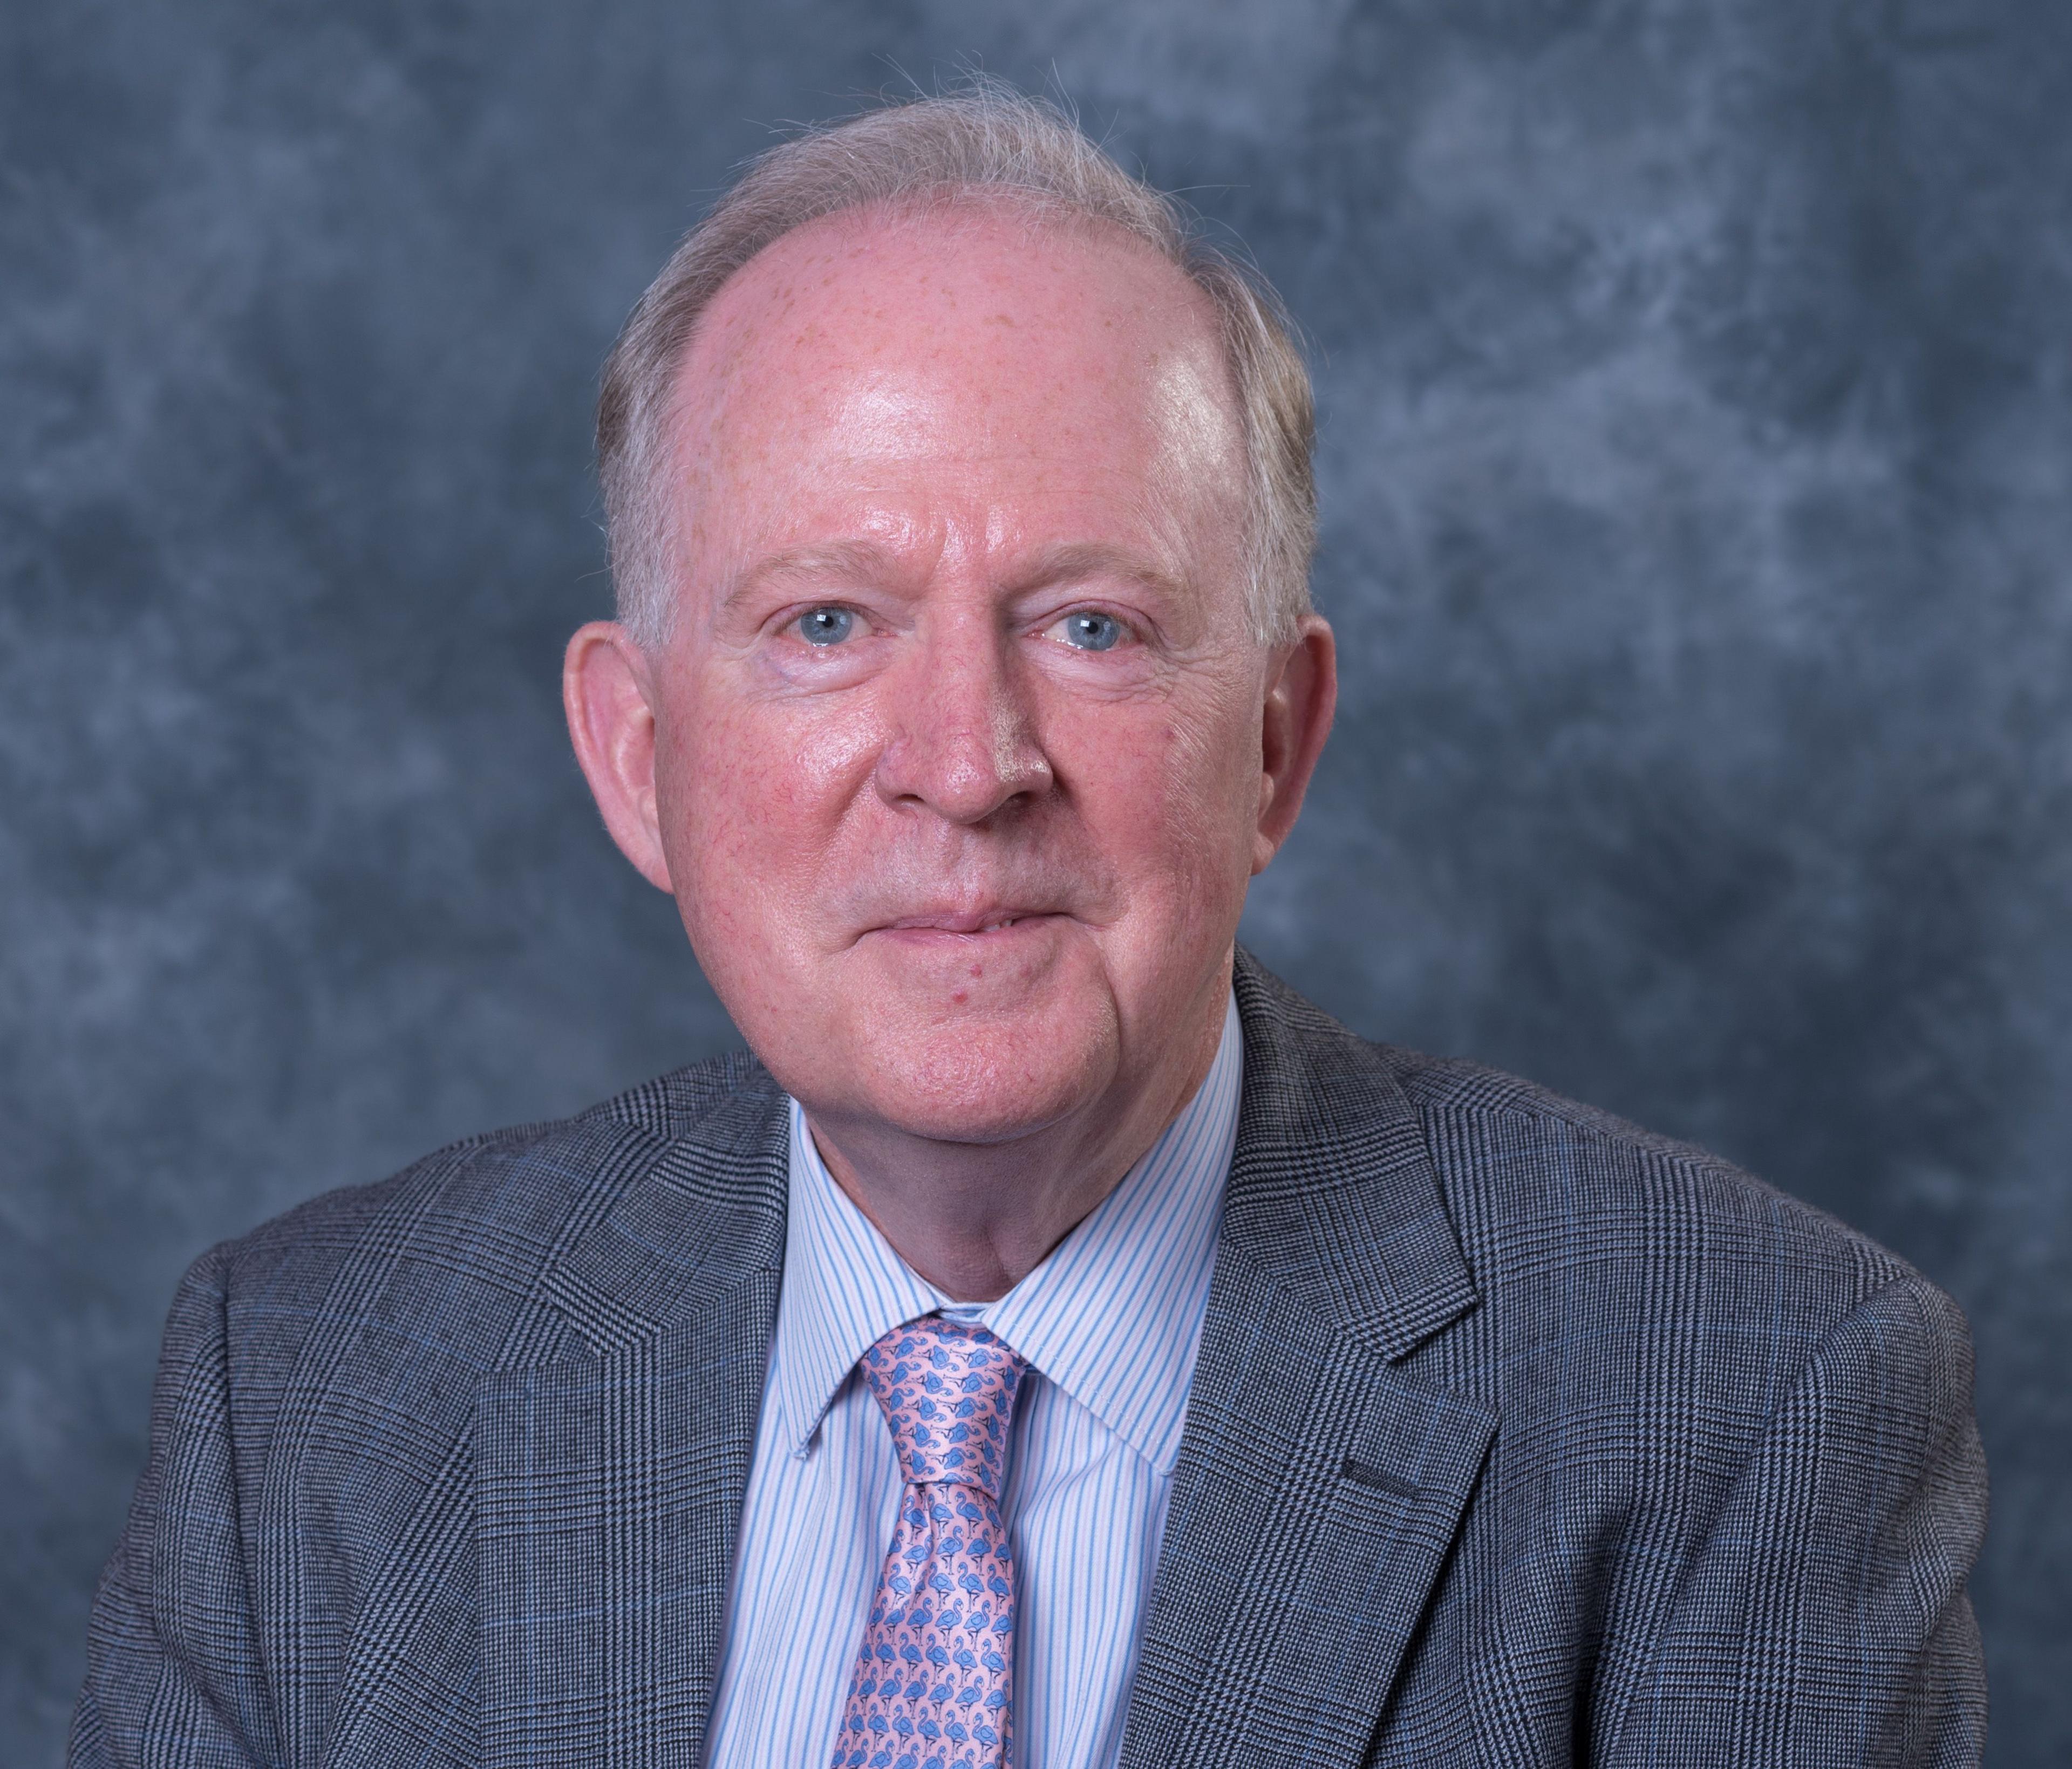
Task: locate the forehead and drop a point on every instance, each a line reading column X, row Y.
column 864, row 280
column 978, row 343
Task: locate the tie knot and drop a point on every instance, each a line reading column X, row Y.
column 947, row 1390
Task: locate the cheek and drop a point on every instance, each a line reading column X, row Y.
column 1180, row 786
column 1218, row 764
column 750, row 794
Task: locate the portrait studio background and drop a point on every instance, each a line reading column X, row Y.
column 1697, row 469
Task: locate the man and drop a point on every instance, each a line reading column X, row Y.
column 1057, row 1344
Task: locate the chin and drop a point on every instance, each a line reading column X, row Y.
column 987, row 1079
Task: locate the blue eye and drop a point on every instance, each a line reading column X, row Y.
column 826, row 626
column 1088, row 631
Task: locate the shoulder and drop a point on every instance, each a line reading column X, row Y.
column 1580, row 1229
column 449, row 1254
column 1645, row 1315
column 1645, row 1297
column 1540, row 1184
column 1676, row 1313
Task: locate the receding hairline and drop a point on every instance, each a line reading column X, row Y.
column 953, row 208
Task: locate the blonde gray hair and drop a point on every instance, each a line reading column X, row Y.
column 989, row 141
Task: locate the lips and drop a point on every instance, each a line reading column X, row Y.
column 988, row 920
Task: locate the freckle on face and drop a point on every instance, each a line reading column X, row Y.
column 963, row 395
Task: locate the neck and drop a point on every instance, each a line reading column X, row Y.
column 974, row 1219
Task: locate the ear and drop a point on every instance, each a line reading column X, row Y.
column 608, row 693
column 1301, row 693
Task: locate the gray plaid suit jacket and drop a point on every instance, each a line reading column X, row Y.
column 1517, row 1436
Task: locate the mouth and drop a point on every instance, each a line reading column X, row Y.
column 969, row 923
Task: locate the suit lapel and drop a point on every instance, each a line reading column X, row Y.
column 609, row 1485
column 1317, row 1489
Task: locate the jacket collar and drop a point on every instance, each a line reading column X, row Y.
column 700, row 1212
column 1333, row 1195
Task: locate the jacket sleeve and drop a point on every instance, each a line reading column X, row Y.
column 1825, row 1621
column 174, row 1672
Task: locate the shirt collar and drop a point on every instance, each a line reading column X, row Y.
column 1112, row 1315
column 844, row 1288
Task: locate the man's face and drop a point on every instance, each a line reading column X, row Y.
column 957, row 734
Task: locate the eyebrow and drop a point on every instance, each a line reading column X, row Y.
column 1067, row 560
column 850, row 559
column 866, row 560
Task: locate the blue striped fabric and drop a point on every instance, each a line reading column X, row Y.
column 1109, row 1323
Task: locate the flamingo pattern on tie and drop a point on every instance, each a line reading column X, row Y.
column 933, row 1687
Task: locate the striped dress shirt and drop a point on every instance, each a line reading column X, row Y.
column 1109, row 1323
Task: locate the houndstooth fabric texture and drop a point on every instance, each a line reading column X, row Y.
column 1517, row 1436
column 935, row 1677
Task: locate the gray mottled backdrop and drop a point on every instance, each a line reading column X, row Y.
column 1697, row 460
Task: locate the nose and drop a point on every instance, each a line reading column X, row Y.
column 962, row 741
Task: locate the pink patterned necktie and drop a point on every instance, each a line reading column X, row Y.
column 935, row 1677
